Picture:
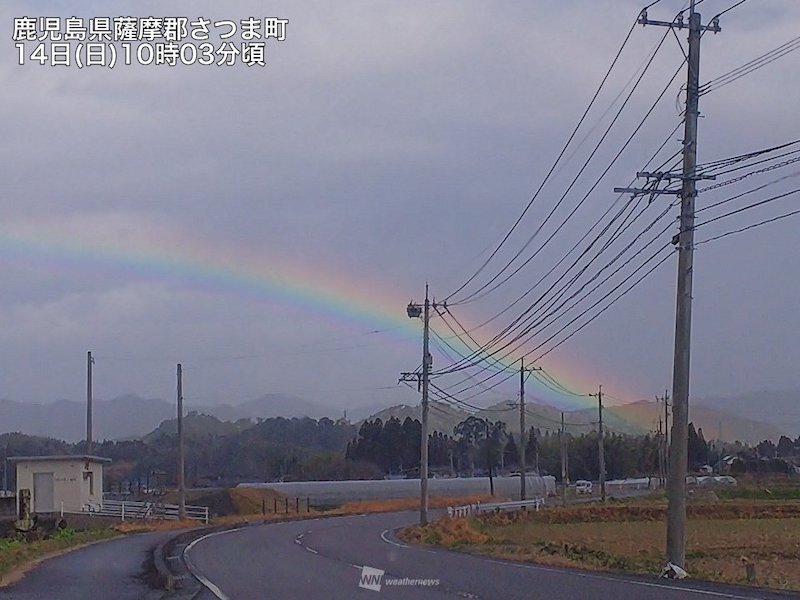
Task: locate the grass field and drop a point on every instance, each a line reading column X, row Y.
column 722, row 539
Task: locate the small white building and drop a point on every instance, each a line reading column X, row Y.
column 69, row 483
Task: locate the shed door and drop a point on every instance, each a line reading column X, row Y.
column 43, row 492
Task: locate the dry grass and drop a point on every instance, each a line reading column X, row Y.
column 247, row 501
column 348, row 508
column 721, row 540
column 407, row 504
column 155, row 525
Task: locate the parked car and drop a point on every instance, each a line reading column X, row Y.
column 583, row 487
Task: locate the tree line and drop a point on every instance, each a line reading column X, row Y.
column 478, row 446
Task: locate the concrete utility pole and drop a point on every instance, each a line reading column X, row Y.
column 678, row 451
column 89, row 435
column 426, row 369
column 676, row 483
column 666, row 420
column 660, row 438
column 522, row 429
column 522, row 433
column 601, row 450
column 415, row 311
column 181, row 480
column 562, row 438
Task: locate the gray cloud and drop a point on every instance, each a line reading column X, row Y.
column 385, row 144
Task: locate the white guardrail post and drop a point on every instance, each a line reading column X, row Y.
column 478, row 508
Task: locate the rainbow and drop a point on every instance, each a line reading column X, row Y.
column 107, row 245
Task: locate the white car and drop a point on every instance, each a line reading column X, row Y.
column 583, row 487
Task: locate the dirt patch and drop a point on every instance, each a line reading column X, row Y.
column 755, row 544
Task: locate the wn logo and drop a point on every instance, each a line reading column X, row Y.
column 370, row 579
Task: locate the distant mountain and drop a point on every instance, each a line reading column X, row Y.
column 441, row 417
column 267, row 406
column 780, row 409
column 123, row 417
column 198, row 424
column 131, row 416
column 716, row 424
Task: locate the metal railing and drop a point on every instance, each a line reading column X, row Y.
column 478, row 508
column 124, row 509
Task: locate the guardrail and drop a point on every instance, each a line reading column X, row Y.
column 124, row 509
column 478, row 508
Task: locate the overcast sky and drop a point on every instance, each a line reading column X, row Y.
column 266, row 226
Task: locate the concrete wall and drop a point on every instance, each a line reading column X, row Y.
column 70, row 486
column 92, row 494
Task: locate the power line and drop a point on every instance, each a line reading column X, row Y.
column 480, row 293
column 552, row 167
column 616, row 234
column 753, row 226
column 748, row 207
column 749, row 67
column 750, row 191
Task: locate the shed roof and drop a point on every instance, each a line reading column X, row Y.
column 61, row 458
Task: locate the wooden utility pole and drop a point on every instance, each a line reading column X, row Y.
column 89, row 433
column 181, row 480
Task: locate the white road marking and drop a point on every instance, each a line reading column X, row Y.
column 199, row 576
column 392, row 542
column 221, row 596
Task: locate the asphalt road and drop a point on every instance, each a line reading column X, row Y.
column 323, row 558
column 113, row 569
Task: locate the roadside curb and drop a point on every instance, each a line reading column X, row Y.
column 171, row 573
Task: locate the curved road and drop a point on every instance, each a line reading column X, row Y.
column 113, row 569
column 323, row 558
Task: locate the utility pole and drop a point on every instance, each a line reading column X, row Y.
column 415, row 311
column 601, row 449
column 181, row 481
column 660, row 438
column 678, row 451
column 562, row 438
column 666, row 435
column 522, row 439
column 5, row 467
column 522, row 436
column 489, row 460
column 666, row 419
column 89, row 437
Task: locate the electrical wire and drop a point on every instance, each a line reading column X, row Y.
column 747, row 228
column 552, row 168
column 482, row 291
